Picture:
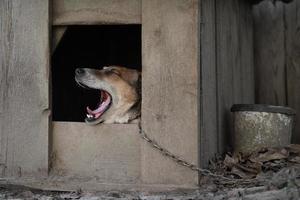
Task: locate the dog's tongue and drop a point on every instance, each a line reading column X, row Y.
column 102, row 105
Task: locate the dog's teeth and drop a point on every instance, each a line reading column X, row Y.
column 89, row 116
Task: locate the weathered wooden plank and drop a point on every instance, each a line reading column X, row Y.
column 246, row 52
column 234, row 66
column 108, row 152
column 292, row 13
column 24, row 102
column 169, row 108
column 269, row 53
column 57, row 34
column 227, row 66
column 70, row 12
column 208, row 83
column 6, row 51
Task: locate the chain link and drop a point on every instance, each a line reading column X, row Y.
column 182, row 162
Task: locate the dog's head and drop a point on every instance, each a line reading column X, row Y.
column 118, row 89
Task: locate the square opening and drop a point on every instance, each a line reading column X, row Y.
column 89, row 47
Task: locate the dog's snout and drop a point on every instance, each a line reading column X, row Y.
column 79, row 71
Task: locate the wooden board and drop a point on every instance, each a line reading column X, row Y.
column 292, row 26
column 170, row 94
column 208, row 83
column 70, row 12
column 57, row 34
column 227, row 62
column 246, row 57
column 24, row 98
column 109, row 153
column 269, row 52
column 235, row 82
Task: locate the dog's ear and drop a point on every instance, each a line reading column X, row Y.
column 131, row 76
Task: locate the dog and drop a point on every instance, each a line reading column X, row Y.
column 120, row 96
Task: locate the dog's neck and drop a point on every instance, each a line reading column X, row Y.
column 118, row 114
column 124, row 110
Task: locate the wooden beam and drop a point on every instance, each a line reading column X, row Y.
column 72, row 12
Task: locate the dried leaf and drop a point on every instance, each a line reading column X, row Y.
column 294, row 148
column 295, row 159
column 239, row 156
column 271, row 154
column 284, row 151
column 230, row 161
column 274, row 165
column 257, row 166
column 248, row 169
column 242, row 174
column 252, row 164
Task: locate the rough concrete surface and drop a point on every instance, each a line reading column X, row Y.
column 254, row 130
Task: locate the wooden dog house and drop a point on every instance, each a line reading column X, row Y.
column 196, row 62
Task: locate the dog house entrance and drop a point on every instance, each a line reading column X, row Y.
column 78, row 149
column 89, row 47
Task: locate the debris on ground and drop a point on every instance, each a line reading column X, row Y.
column 289, row 191
column 249, row 166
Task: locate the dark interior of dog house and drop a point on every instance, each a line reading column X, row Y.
column 89, row 47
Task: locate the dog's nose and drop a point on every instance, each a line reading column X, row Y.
column 79, row 71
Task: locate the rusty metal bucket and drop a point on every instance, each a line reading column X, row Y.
column 256, row 126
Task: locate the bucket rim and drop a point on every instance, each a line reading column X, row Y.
column 263, row 108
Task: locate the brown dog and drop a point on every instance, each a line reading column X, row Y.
column 120, row 99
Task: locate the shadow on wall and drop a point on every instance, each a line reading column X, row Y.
column 89, row 47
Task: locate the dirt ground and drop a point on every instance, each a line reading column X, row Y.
column 255, row 193
column 282, row 185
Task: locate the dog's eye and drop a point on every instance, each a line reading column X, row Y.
column 116, row 72
column 112, row 71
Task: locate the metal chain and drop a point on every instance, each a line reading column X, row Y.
column 182, row 162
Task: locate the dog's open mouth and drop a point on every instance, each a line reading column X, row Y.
column 93, row 116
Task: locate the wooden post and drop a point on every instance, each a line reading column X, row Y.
column 170, row 94
column 24, row 88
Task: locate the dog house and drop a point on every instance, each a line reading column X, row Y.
column 196, row 61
